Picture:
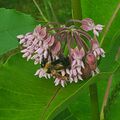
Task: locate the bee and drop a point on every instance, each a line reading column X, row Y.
column 54, row 67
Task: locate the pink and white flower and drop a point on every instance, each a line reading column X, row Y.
column 36, row 45
column 97, row 51
column 88, row 25
column 60, row 81
column 42, row 73
column 76, row 65
column 92, row 62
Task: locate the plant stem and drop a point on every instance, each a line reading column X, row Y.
column 105, row 98
column 6, row 56
column 94, row 101
column 40, row 11
column 52, row 11
column 76, row 9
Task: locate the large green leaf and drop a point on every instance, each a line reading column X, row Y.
column 13, row 23
column 113, row 105
column 24, row 95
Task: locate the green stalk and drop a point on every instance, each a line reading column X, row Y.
column 40, row 11
column 94, row 101
column 76, row 9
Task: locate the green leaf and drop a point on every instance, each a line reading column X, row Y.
column 113, row 105
column 23, row 95
column 13, row 23
column 81, row 107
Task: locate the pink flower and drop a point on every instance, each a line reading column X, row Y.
column 97, row 28
column 27, row 42
column 40, row 32
column 91, row 59
column 94, row 72
column 42, row 73
column 76, row 65
column 37, row 44
column 92, row 62
column 56, row 48
column 60, row 81
column 97, row 51
column 77, row 56
column 49, row 41
column 75, row 74
column 88, row 25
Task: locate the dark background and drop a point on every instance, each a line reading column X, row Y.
column 54, row 10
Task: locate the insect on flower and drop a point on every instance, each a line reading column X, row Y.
column 63, row 52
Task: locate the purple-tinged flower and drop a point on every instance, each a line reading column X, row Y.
column 49, row 41
column 75, row 74
column 40, row 32
column 37, row 58
column 77, row 56
column 56, row 48
column 88, row 25
column 28, row 43
column 26, row 40
column 42, row 73
column 91, row 60
column 76, row 64
column 60, row 81
column 97, row 28
column 97, row 51
column 96, row 71
column 37, row 44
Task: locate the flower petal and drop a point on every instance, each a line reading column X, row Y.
column 56, row 48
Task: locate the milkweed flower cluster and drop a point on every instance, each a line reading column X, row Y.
column 62, row 51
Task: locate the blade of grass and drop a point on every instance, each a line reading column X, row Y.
column 94, row 101
column 110, row 23
column 105, row 98
column 52, row 11
column 40, row 11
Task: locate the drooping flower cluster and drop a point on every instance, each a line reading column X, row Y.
column 46, row 46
